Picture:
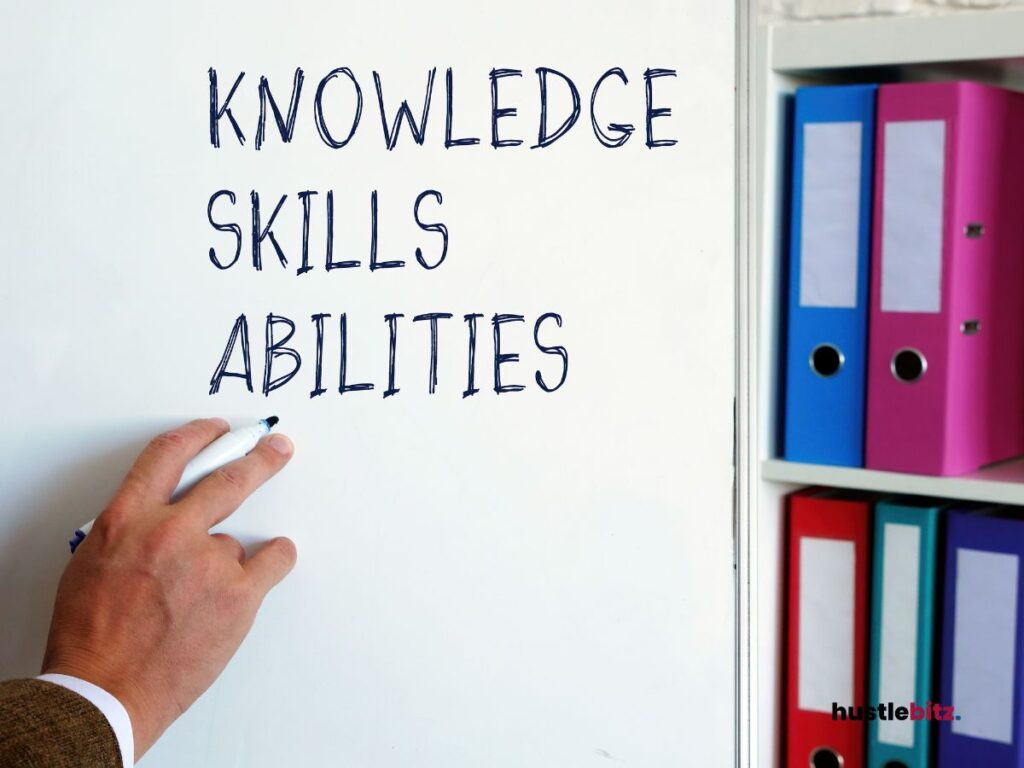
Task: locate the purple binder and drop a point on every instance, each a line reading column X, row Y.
column 983, row 640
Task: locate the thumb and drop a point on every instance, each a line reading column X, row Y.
column 271, row 563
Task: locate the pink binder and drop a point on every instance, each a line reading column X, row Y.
column 946, row 340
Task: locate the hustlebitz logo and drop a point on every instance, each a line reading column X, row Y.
column 930, row 710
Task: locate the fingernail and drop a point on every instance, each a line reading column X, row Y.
column 281, row 444
column 220, row 423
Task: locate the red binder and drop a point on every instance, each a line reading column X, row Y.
column 829, row 539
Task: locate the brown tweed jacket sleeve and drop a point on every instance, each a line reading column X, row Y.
column 43, row 725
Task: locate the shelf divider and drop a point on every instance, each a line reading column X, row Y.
column 1000, row 483
column 967, row 35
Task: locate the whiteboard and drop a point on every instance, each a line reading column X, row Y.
column 527, row 578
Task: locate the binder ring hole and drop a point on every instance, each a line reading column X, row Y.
column 974, row 230
column 826, row 360
column 908, row 365
column 970, row 327
column 895, row 764
column 823, row 757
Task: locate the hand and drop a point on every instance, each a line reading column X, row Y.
column 152, row 607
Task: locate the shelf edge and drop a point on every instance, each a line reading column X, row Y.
column 965, row 488
column 898, row 40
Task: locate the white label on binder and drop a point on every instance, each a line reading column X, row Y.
column 984, row 639
column 830, row 215
column 825, row 659
column 913, row 177
column 898, row 642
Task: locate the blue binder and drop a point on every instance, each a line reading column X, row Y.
column 983, row 640
column 829, row 254
column 903, row 622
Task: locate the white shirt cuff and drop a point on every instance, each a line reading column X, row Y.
column 111, row 708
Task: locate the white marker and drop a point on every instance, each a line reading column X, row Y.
column 223, row 450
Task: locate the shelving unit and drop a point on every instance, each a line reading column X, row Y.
column 984, row 45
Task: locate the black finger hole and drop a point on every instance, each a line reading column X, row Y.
column 826, row 360
column 826, row 758
column 908, row 365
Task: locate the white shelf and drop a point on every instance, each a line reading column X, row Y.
column 1000, row 483
column 944, row 36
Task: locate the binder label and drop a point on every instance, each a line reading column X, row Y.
column 830, row 214
column 825, row 656
column 984, row 639
column 913, row 176
column 898, row 660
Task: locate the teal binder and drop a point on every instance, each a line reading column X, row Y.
column 903, row 625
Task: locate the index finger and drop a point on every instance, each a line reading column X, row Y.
column 158, row 468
